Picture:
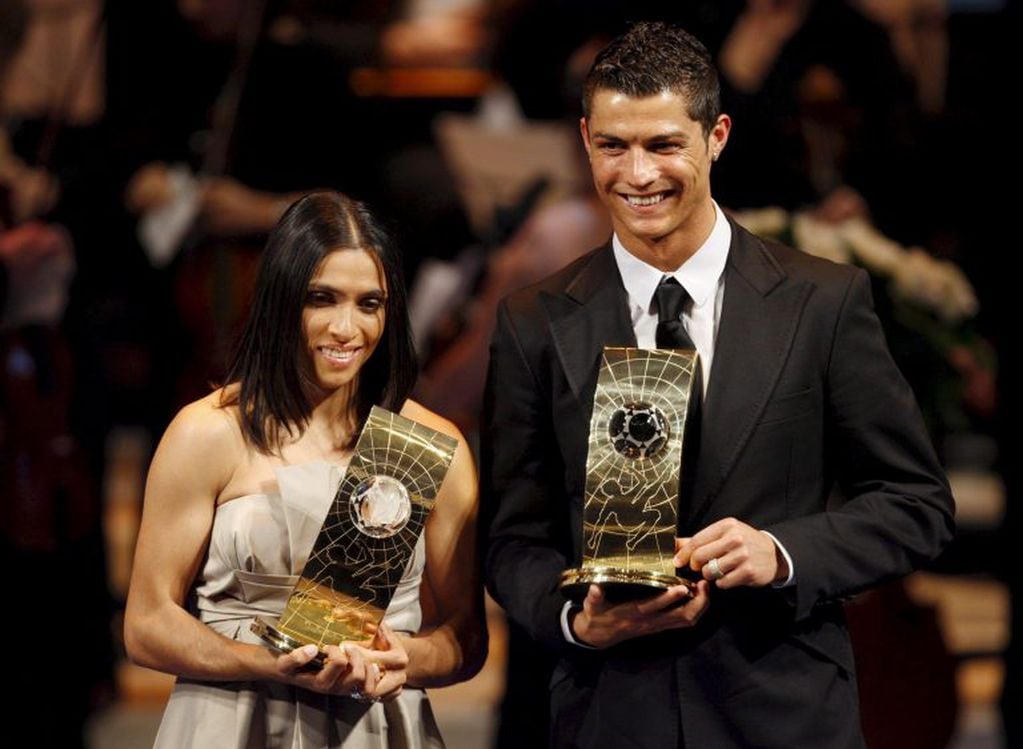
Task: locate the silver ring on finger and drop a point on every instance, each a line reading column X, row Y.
column 715, row 569
column 356, row 694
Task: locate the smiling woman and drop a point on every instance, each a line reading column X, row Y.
column 343, row 317
column 239, row 488
column 323, row 239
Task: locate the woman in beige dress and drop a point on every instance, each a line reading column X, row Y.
column 241, row 483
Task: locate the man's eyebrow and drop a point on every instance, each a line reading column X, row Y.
column 657, row 136
column 671, row 134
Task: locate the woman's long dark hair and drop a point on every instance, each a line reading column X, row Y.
column 272, row 384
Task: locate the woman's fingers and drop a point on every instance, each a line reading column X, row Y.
column 386, row 661
column 351, row 670
column 383, row 638
column 390, row 684
column 336, row 666
column 353, row 683
column 289, row 663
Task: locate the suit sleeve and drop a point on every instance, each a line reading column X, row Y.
column 522, row 488
column 898, row 508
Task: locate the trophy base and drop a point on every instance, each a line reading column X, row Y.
column 283, row 643
column 618, row 584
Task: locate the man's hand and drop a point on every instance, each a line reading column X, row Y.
column 745, row 556
column 602, row 624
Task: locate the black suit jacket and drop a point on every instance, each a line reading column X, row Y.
column 802, row 393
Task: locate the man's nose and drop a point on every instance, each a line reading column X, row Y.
column 641, row 167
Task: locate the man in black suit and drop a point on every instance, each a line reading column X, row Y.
column 799, row 392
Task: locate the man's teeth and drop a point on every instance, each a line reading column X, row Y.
column 339, row 354
column 645, row 199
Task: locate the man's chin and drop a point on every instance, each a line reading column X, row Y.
column 646, row 232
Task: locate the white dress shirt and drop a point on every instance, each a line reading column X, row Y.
column 703, row 278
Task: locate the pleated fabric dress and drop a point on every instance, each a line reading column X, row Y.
column 258, row 546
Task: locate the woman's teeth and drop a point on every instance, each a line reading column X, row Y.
column 339, row 354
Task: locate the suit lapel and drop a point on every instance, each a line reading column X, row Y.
column 592, row 313
column 759, row 317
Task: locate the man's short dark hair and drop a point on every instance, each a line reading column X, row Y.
column 653, row 57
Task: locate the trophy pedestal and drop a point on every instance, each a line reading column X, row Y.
column 281, row 642
column 618, row 584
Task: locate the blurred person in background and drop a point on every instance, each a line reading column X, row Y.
column 50, row 534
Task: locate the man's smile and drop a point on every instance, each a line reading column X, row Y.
column 647, row 199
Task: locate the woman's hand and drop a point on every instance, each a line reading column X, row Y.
column 373, row 672
column 386, row 662
column 343, row 672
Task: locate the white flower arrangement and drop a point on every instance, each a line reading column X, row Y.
column 930, row 298
column 915, row 276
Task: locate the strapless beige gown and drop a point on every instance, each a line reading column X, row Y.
column 258, row 545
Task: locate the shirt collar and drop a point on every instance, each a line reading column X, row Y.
column 699, row 275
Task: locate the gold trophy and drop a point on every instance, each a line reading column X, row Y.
column 368, row 537
column 630, row 509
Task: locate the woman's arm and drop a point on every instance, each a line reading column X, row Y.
column 194, row 461
column 452, row 644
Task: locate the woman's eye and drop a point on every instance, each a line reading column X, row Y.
column 319, row 298
column 371, row 304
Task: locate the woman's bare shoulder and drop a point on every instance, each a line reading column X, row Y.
column 205, row 433
column 211, row 421
column 426, row 417
column 461, row 479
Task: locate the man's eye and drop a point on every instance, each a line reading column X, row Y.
column 665, row 147
column 611, row 148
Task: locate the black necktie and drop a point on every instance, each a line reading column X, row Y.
column 670, row 298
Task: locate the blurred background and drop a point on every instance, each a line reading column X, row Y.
column 146, row 149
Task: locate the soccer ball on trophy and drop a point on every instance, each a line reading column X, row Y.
column 638, row 430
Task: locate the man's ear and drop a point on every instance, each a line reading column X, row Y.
column 718, row 138
column 584, row 131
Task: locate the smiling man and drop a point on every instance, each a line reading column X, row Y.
column 651, row 165
column 799, row 393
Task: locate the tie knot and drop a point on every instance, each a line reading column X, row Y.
column 670, row 298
